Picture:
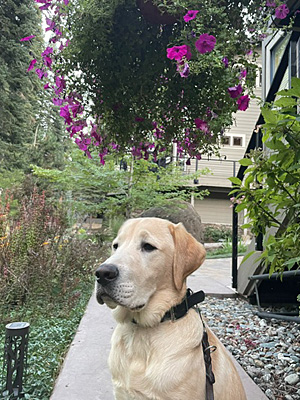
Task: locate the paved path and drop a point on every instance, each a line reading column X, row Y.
column 85, row 375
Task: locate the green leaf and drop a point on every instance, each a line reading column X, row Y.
column 292, row 261
column 245, row 162
column 248, row 255
column 246, row 226
column 240, row 207
column 235, row 180
column 285, row 102
column 269, row 115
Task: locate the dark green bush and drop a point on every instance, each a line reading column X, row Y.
column 216, row 234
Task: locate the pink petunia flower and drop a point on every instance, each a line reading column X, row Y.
column 243, row 103
column 191, row 14
column 25, row 39
column 206, row 43
column 235, row 91
column 282, row 11
column 178, row 52
column 31, row 65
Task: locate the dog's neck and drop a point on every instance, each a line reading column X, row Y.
column 152, row 314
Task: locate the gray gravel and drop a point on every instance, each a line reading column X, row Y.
column 268, row 350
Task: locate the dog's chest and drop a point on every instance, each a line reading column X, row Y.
column 148, row 361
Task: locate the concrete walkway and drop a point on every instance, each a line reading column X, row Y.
column 85, row 375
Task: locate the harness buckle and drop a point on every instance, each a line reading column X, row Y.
column 210, row 348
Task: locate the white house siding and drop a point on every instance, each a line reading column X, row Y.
column 223, row 168
column 215, row 211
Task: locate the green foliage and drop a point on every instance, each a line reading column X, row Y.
column 125, row 70
column 226, row 250
column 39, row 257
column 270, row 190
column 109, row 190
column 30, row 129
column 216, row 234
column 52, row 328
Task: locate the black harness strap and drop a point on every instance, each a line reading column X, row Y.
column 210, row 378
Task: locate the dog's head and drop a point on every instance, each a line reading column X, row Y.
column 149, row 256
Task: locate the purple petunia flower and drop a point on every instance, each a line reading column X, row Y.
column 65, row 113
column 191, row 14
column 178, row 52
column 202, row 125
column 235, row 91
column 183, row 69
column 57, row 102
column 25, row 39
column 48, row 61
column 270, row 3
column 225, row 62
column 45, row 6
column 31, row 65
column 243, row 74
column 47, row 51
column 282, row 11
column 206, row 43
column 243, row 103
column 41, row 73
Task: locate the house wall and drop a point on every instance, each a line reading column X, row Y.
column 214, row 211
column 227, row 166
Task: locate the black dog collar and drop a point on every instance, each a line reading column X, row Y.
column 189, row 301
column 179, row 311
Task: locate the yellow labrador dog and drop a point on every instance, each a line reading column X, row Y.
column 153, row 358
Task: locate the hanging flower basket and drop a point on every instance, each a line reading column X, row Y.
column 152, row 14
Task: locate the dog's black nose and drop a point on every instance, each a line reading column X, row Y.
column 106, row 274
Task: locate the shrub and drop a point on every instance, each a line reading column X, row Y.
column 216, row 234
column 40, row 256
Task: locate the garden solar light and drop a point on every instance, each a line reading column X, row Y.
column 15, row 355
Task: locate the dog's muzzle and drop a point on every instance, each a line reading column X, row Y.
column 106, row 273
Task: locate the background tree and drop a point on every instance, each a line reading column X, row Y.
column 30, row 129
column 114, row 191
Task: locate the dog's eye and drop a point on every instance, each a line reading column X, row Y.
column 148, row 247
column 115, row 246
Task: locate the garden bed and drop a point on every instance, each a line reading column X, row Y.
column 52, row 328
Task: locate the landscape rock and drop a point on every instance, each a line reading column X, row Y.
column 179, row 211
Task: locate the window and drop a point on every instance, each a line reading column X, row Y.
column 237, row 141
column 233, row 140
column 226, row 140
column 276, row 55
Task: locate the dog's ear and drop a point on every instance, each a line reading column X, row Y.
column 188, row 256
